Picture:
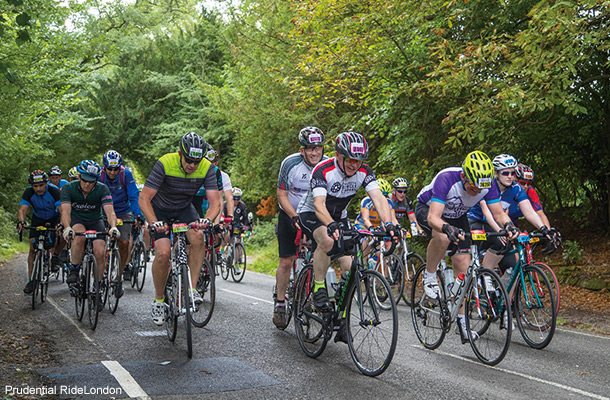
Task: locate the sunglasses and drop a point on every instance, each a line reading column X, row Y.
column 37, row 185
column 508, row 173
column 191, row 161
column 113, row 169
column 524, row 183
column 401, row 191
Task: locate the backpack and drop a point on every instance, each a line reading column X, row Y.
column 121, row 177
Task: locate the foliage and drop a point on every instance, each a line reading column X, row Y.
column 262, row 246
column 572, row 252
column 267, row 207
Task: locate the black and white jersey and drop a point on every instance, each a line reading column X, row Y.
column 294, row 177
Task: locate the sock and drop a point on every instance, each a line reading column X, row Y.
column 281, row 303
column 318, row 285
column 74, row 267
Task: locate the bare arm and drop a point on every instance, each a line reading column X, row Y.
column 66, row 211
column 230, row 203
column 531, row 215
column 146, row 195
column 282, row 199
column 321, row 210
column 110, row 215
column 435, row 213
column 489, row 217
column 214, row 204
column 23, row 212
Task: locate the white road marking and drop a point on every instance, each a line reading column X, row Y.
column 125, row 379
column 50, row 300
column 245, row 295
column 519, row 374
column 583, row 333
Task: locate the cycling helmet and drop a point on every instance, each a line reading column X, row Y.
column 478, row 169
column 89, row 170
column 352, row 145
column 193, row 146
column 211, row 155
column 311, row 136
column 504, row 161
column 524, row 173
column 54, row 170
column 113, row 159
column 73, row 173
column 38, row 176
column 400, row 183
column 385, row 186
column 236, row 193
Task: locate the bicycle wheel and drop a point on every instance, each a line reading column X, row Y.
column 427, row 314
column 372, row 331
column 93, row 287
column 44, row 282
column 114, row 279
column 553, row 281
column 239, row 263
column 171, row 303
column 535, row 307
column 36, row 278
column 81, row 293
column 140, row 268
column 414, row 262
column 206, row 286
column 308, row 322
column 225, row 265
column 394, row 273
column 186, row 303
column 134, row 262
column 488, row 329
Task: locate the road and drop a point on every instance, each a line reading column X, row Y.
column 240, row 355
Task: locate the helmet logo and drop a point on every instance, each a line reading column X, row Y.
column 113, row 162
column 357, row 148
column 484, row 183
column 195, row 152
column 315, row 138
column 38, row 178
column 92, row 170
column 528, row 175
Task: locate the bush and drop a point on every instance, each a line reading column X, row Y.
column 572, row 253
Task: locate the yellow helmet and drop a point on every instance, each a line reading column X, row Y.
column 478, row 169
column 385, row 186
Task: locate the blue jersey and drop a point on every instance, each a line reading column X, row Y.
column 512, row 196
column 44, row 207
column 62, row 182
column 124, row 199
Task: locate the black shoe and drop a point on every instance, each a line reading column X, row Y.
column 279, row 317
column 54, row 263
column 29, row 287
column 127, row 273
column 320, row 298
column 100, row 302
column 63, row 256
column 72, row 278
column 119, row 290
column 341, row 335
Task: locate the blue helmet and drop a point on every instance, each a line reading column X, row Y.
column 113, row 159
column 89, row 170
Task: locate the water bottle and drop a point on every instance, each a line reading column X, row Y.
column 448, row 271
column 341, row 283
column 300, row 263
column 331, row 282
column 506, row 276
column 372, row 262
column 455, row 290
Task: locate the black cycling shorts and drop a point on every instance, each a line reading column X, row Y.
column 421, row 215
column 286, row 234
column 185, row 215
column 95, row 225
column 35, row 221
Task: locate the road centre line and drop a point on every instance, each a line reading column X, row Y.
column 131, row 387
column 529, row 377
column 245, row 295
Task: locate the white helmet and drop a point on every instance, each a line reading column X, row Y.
column 504, row 161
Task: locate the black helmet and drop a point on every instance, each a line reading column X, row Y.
column 311, row 136
column 352, row 145
column 193, row 146
column 38, row 176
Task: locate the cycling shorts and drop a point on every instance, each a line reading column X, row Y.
column 421, row 215
column 185, row 215
column 95, row 225
column 35, row 221
column 286, row 234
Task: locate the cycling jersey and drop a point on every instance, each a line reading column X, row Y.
column 328, row 180
column 62, row 182
column 514, row 211
column 448, row 188
column 200, row 201
column 513, row 195
column 373, row 214
column 87, row 208
column 44, row 207
column 175, row 188
column 402, row 208
column 294, row 177
column 225, row 182
column 123, row 200
column 240, row 215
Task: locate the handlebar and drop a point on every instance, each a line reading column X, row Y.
column 35, row 228
column 339, row 248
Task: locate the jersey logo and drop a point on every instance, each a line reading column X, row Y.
column 335, row 188
column 304, row 177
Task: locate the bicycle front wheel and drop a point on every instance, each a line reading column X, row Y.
column 44, row 280
column 488, row 317
column 535, row 307
column 428, row 315
column 186, row 303
column 81, row 293
column 206, row 286
column 36, row 278
column 309, row 324
column 170, row 298
column 394, row 273
column 414, row 262
column 93, row 292
column 239, row 263
column 114, row 279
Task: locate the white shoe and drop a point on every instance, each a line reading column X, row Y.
column 431, row 287
column 197, row 299
column 461, row 322
column 505, row 320
column 158, row 312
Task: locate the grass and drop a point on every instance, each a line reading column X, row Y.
column 264, row 259
column 12, row 246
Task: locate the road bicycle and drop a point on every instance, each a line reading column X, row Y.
column 138, row 260
column 112, row 273
column 206, row 283
column 233, row 258
column 487, row 310
column 411, row 262
column 364, row 311
column 42, row 245
column 390, row 266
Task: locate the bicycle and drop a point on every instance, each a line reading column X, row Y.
column 390, row 266
column 234, row 256
column 487, row 312
column 138, row 260
column 42, row 261
column 112, row 273
column 411, row 262
column 370, row 330
column 549, row 249
column 206, row 283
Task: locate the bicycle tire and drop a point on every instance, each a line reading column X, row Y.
column 394, row 274
column 427, row 314
column 188, row 319
column 44, row 282
column 414, row 262
column 114, row 277
column 206, row 286
column 486, row 317
column 225, row 260
column 238, row 269
column 308, row 323
column 36, row 277
column 371, row 338
column 134, row 262
column 553, row 281
column 81, row 293
column 92, row 290
column 141, row 269
column 535, row 308
column 170, row 299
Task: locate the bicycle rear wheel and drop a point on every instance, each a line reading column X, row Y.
column 81, row 293
column 44, row 282
column 36, row 278
column 206, row 286
column 372, row 331
column 225, row 265
column 414, row 262
column 186, row 303
column 535, row 307
column 170, row 299
column 394, row 274
column 137, row 253
column 114, row 279
column 239, row 263
column 309, row 324
column 427, row 314
column 553, row 281
column 488, row 329
column 93, row 287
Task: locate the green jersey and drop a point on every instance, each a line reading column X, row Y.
column 89, row 207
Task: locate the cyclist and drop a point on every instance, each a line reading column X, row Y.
column 227, row 191
column 441, row 211
column 525, row 177
column 73, row 174
column 168, row 194
column 125, row 195
column 200, row 201
column 334, row 182
column 402, row 204
column 55, row 177
column 44, row 200
column 293, row 183
column 240, row 211
column 82, row 203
